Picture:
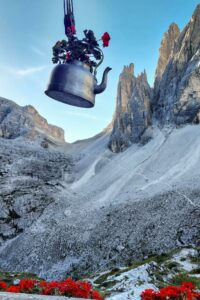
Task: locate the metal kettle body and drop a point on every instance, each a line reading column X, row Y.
column 73, row 83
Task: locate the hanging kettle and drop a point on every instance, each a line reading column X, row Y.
column 73, row 83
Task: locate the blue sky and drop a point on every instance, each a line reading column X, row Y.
column 29, row 29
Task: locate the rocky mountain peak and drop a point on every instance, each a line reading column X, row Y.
column 132, row 114
column 173, row 29
column 165, row 51
column 128, row 69
column 17, row 121
column 125, row 87
column 196, row 15
column 177, row 96
column 142, row 77
column 30, row 109
column 188, row 42
column 40, row 122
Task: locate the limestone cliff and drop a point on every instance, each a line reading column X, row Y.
column 178, row 98
column 165, row 51
column 132, row 115
column 30, row 176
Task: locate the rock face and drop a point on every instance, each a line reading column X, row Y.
column 166, row 48
column 132, row 115
column 177, row 100
column 29, row 178
column 17, row 121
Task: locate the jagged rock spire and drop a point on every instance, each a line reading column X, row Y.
column 165, row 51
column 132, row 115
column 177, row 97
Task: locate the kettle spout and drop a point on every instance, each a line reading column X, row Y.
column 101, row 87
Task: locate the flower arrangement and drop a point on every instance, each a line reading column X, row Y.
column 186, row 291
column 68, row 288
column 86, row 50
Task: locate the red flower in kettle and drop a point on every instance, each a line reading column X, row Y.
column 106, row 38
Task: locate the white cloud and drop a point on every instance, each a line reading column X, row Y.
column 83, row 115
column 37, row 51
column 27, row 71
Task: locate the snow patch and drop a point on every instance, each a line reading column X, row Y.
column 183, row 258
column 132, row 283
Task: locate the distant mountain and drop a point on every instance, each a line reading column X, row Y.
column 17, row 122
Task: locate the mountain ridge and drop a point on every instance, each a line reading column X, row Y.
column 17, row 122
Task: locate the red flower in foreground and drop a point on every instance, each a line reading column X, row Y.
column 27, row 285
column 189, row 285
column 13, row 289
column 186, row 291
column 68, row 288
column 3, row 286
column 105, row 38
column 147, row 294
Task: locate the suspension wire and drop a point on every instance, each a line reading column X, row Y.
column 69, row 19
